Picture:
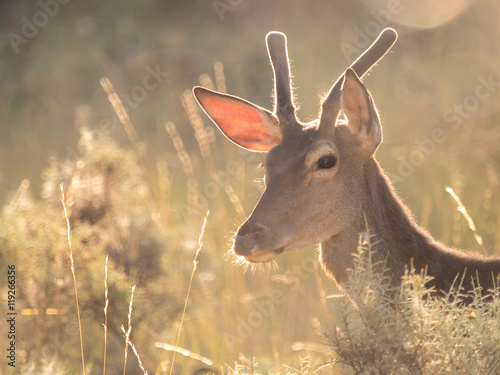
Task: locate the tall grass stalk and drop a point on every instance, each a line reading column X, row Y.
column 220, row 79
column 129, row 329
column 461, row 208
column 195, row 263
column 120, row 111
column 207, row 82
column 106, row 303
column 187, row 166
column 185, row 353
column 136, row 353
column 139, row 149
column 200, row 132
column 72, row 262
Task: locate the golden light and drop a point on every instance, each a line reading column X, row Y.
column 49, row 311
column 422, row 14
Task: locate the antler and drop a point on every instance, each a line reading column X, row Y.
column 331, row 105
column 283, row 106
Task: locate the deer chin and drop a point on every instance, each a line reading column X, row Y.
column 262, row 257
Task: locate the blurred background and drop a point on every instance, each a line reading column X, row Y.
column 139, row 193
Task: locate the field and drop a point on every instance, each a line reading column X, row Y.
column 101, row 135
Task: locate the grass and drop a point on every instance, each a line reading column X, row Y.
column 111, row 227
column 195, row 263
column 374, row 329
column 105, row 325
column 128, row 330
column 73, row 273
column 463, row 211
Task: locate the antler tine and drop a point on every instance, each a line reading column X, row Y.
column 276, row 47
column 331, row 104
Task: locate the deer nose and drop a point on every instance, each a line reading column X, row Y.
column 246, row 239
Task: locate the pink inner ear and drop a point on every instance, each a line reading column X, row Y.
column 354, row 104
column 241, row 122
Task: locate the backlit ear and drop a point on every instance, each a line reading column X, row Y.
column 362, row 116
column 244, row 123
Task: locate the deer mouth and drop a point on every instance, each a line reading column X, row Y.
column 262, row 257
column 257, row 244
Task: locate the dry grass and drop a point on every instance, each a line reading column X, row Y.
column 409, row 331
column 128, row 331
column 73, row 273
column 106, row 304
column 461, row 208
column 195, row 264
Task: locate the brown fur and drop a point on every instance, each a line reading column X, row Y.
column 400, row 242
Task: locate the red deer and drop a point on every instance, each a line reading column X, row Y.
column 323, row 184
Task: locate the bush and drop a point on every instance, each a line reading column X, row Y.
column 379, row 330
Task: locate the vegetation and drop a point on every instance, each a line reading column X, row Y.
column 373, row 330
column 411, row 330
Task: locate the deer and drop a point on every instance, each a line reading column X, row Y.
column 324, row 186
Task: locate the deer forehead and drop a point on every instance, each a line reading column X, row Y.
column 292, row 150
column 309, row 145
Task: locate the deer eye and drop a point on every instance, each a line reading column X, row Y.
column 327, row 162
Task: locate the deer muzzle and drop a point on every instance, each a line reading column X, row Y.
column 250, row 242
column 244, row 244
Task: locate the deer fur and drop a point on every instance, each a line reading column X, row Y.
column 323, row 184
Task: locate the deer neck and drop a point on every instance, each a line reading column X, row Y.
column 389, row 225
column 398, row 240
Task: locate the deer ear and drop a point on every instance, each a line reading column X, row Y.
column 362, row 116
column 244, row 123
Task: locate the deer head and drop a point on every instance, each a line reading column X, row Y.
column 313, row 171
